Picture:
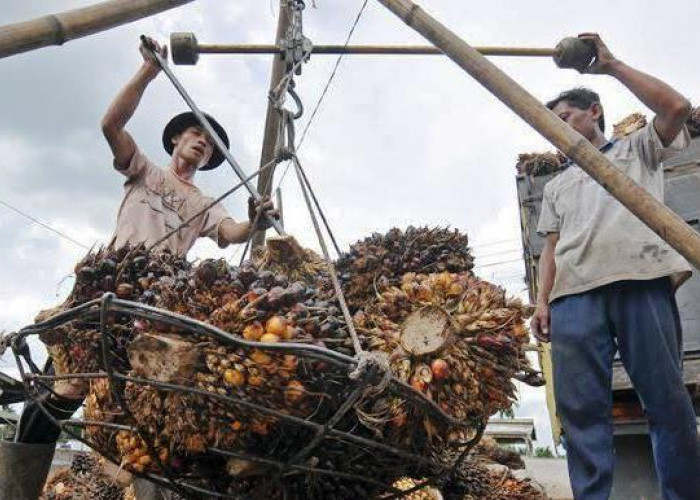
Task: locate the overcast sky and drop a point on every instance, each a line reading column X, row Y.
column 398, row 140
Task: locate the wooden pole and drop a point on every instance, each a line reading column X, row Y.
column 371, row 50
column 278, row 204
column 669, row 226
column 272, row 119
column 56, row 29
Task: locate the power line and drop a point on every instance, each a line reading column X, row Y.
column 325, row 89
column 333, row 73
column 494, row 243
column 510, row 277
column 491, row 264
column 44, row 225
column 501, row 252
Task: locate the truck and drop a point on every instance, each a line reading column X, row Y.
column 634, row 477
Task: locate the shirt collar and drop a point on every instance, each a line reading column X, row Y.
column 603, row 149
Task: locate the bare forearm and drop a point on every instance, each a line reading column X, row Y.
column 658, row 96
column 127, row 100
column 231, row 232
column 546, row 273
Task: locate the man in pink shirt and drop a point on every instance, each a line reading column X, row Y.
column 157, row 202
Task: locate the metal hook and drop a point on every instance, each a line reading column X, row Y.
column 297, row 100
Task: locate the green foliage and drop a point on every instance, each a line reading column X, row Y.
column 509, row 413
column 545, row 452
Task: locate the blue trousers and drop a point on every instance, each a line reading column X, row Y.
column 640, row 319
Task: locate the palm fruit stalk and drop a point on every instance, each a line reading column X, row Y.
column 284, row 255
column 629, row 125
column 636, row 121
column 536, row 164
column 382, row 259
column 85, row 478
column 488, row 451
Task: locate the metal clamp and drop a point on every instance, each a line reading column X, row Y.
column 295, row 47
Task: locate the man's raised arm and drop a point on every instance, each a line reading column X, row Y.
column 671, row 108
column 123, row 106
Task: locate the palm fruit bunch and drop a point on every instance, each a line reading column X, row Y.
column 475, row 481
column 471, row 481
column 628, row 125
column 513, row 488
column 258, row 305
column 693, row 122
column 635, row 121
column 84, row 479
column 537, row 164
column 427, row 493
column 235, row 397
column 130, row 494
column 284, row 255
column 266, row 377
column 129, row 273
column 454, row 338
column 135, row 452
column 488, row 451
column 177, row 429
column 100, row 406
column 382, row 259
column 348, row 473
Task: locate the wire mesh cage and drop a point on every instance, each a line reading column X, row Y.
column 261, row 381
column 210, row 414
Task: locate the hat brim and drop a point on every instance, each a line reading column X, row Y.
column 182, row 122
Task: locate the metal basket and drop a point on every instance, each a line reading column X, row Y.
column 331, row 431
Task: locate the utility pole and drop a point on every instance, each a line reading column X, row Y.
column 272, row 120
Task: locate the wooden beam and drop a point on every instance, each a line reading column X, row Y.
column 56, row 29
column 669, row 226
column 371, row 50
column 272, row 119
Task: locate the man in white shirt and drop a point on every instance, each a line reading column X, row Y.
column 607, row 284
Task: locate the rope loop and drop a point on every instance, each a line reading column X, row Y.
column 375, row 367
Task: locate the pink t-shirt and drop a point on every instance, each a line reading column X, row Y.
column 156, row 201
